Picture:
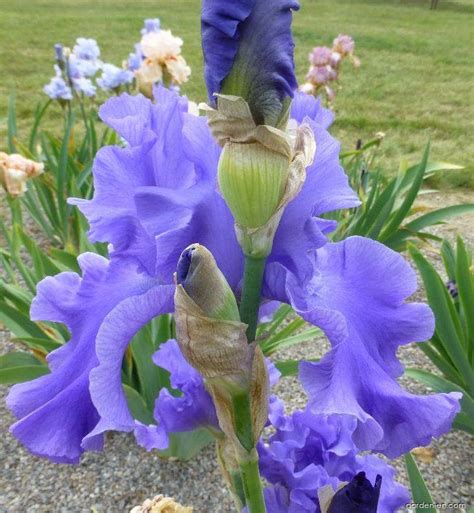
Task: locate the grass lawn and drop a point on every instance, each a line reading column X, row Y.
column 415, row 83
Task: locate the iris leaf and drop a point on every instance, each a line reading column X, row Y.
column 420, row 493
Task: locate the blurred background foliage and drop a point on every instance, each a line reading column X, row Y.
column 415, row 82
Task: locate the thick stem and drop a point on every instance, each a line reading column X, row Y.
column 248, row 460
column 251, row 292
column 251, row 482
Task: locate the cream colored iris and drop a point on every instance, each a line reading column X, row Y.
column 15, row 171
column 163, row 60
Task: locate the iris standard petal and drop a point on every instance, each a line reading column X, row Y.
column 302, row 231
column 156, row 198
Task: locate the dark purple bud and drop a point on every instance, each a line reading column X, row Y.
column 58, row 51
column 358, row 496
column 184, row 264
column 197, row 272
column 452, row 288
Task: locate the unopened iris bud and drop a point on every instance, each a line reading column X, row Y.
column 357, row 496
column 252, row 179
column 58, row 52
column 248, row 52
column 261, row 169
column 203, row 281
column 213, row 340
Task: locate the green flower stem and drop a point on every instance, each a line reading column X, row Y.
column 15, row 208
column 247, row 456
column 252, row 484
column 238, row 491
column 251, row 293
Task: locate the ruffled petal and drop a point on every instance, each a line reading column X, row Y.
column 112, row 213
column 358, row 299
column 194, row 409
column 115, row 333
column 308, row 452
column 130, row 116
column 238, row 45
column 180, row 218
column 301, row 232
column 154, row 199
column 55, row 412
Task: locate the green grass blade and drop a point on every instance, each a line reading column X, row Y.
column 137, row 405
column 39, row 114
column 17, row 359
column 269, row 346
column 438, row 216
column 151, row 378
column 62, row 178
column 442, row 361
column 290, row 367
column 413, row 228
column 449, row 259
column 39, row 344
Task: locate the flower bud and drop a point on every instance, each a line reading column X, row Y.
column 213, row 340
column 161, row 504
column 261, row 169
column 15, row 171
column 59, row 53
column 357, row 496
column 252, row 179
column 203, row 281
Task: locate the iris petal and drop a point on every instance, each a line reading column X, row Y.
column 55, row 412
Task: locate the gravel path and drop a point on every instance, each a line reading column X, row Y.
column 124, row 474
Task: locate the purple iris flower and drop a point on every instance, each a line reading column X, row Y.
column 309, row 452
column 243, row 57
column 86, row 49
column 85, row 86
column 135, row 59
column 191, row 410
column 59, row 52
column 113, row 77
column 79, row 68
column 151, row 25
column 158, row 195
column 57, row 89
